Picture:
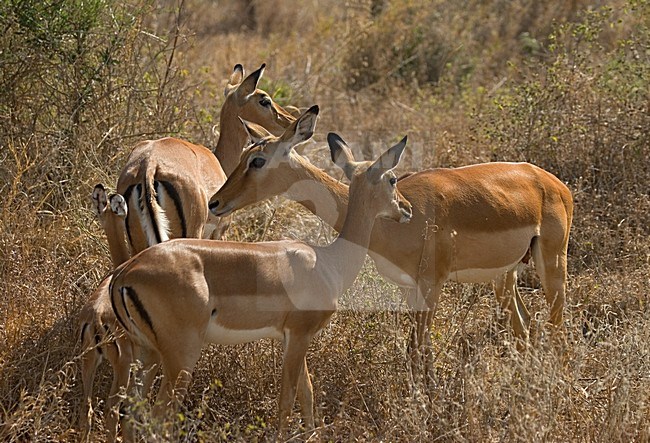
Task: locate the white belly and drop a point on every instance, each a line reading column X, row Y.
column 224, row 336
column 480, row 275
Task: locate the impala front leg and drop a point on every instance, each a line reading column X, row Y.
column 293, row 368
column 423, row 302
column 306, row 397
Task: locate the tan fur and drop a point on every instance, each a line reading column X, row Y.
column 100, row 334
column 228, row 292
column 243, row 100
column 473, row 218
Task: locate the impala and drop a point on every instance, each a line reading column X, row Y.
column 244, row 100
column 167, row 182
column 100, row 334
column 229, row 293
column 470, row 224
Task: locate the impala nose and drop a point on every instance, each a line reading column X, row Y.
column 213, row 205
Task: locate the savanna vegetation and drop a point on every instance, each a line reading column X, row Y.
column 562, row 84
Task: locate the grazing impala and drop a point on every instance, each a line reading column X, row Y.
column 471, row 224
column 100, row 334
column 177, row 296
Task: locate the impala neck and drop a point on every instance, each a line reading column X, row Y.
column 318, row 192
column 349, row 250
column 231, row 142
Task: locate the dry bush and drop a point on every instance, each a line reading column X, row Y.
column 560, row 84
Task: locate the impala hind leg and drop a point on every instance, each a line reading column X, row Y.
column 512, row 305
column 551, row 265
column 120, row 355
column 306, row 397
column 177, row 368
column 90, row 361
column 146, row 373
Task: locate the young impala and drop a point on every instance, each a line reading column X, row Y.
column 177, row 296
column 100, row 334
column 471, row 224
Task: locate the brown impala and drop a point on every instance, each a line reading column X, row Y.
column 471, row 224
column 179, row 295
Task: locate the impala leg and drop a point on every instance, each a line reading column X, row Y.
column 177, row 371
column 306, row 397
column 551, row 266
column 423, row 302
column 295, row 349
column 512, row 305
column 150, row 364
column 146, row 373
column 120, row 356
column 89, row 363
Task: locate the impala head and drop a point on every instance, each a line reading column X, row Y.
column 245, row 100
column 254, row 179
column 373, row 178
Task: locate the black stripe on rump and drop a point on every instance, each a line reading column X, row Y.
column 127, row 198
column 176, row 198
column 83, row 331
column 154, row 222
column 138, row 307
column 117, row 314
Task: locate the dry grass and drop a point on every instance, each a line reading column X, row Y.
column 561, row 84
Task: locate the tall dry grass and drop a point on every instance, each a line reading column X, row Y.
column 560, row 84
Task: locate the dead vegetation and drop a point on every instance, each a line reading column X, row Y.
column 564, row 85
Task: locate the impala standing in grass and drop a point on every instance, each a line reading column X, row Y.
column 166, row 184
column 470, row 224
column 177, row 296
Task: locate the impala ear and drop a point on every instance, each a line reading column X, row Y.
column 254, row 131
column 341, row 154
column 235, row 78
column 249, row 84
column 388, row 160
column 303, row 128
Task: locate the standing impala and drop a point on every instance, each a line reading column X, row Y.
column 229, row 293
column 100, row 334
column 167, row 182
column 471, row 224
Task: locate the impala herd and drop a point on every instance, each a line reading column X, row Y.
column 177, row 284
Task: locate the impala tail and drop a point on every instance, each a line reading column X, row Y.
column 148, row 199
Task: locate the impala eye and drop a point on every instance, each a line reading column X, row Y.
column 257, row 162
column 265, row 101
column 393, row 181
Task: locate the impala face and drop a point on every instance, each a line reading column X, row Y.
column 245, row 100
column 380, row 177
column 242, row 187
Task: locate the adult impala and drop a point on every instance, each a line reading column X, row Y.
column 167, row 182
column 471, row 224
column 228, row 293
column 100, row 334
